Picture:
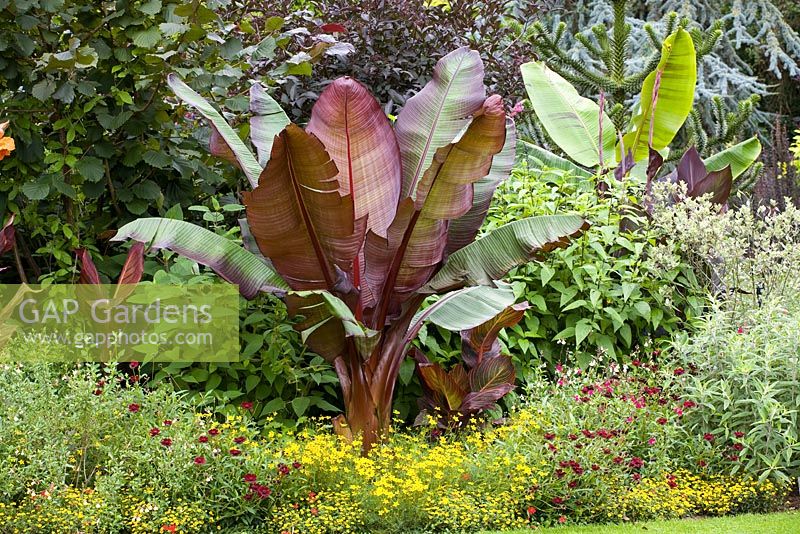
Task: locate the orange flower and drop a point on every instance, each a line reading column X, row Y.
column 6, row 143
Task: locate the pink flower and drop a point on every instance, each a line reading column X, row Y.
column 134, row 364
column 740, row 330
column 562, row 519
column 247, row 405
column 651, row 441
column 518, row 108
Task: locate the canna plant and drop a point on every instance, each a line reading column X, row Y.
column 475, row 385
column 354, row 223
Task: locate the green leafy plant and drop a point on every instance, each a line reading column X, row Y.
column 453, row 397
column 361, row 222
column 744, row 377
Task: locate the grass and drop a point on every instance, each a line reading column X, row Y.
column 784, row 523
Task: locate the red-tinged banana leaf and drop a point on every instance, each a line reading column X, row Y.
column 445, row 193
column 462, row 231
column 7, row 235
column 228, row 259
column 358, row 137
column 379, row 251
column 298, row 216
column 327, row 322
column 225, row 142
column 441, row 110
column 89, row 274
column 268, row 120
column 463, row 309
column 493, row 255
column 132, row 271
column 480, row 343
column 490, row 381
column 442, row 385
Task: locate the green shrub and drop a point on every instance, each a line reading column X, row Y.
column 600, row 295
column 745, row 377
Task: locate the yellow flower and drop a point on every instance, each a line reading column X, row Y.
column 6, row 143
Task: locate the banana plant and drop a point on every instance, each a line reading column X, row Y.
column 585, row 133
column 355, row 223
column 474, row 385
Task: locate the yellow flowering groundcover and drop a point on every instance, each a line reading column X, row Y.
column 101, row 454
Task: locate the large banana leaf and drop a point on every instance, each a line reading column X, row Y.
column 481, row 342
column 229, row 260
column 298, row 216
column 571, row 120
column 462, row 231
column 327, row 322
column 225, row 142
column 433, row 117
column 268, row 120
column 445, row 193
column 740, row 157
column 677, row 74
column 537, row 157
column 464, row 309
column 357, row 135
column 492, row 256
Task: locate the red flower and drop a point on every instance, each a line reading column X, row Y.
column 558, row 500
column 134, row 378
column 248, row 496
column 133, row 365
column 98, row 392
column 531, row 510
column 200, row 460
column 239, row 439
column 595, row 467
column 235, row 452
column 250, row 477
column 297, row 465
column 314, row 511
column 738, row 447
column 708, row 437
column 562, row 519
column 738, row 434
column 636, row 462
column 679, row 371
column 651, row 441
column 312, row 496
column 701, row 463
column 203, row 439
column 573, row 437
column 636, row 363
column 740, row 330
column 168, row 528
column 247, row 405
column 155, row 431
column 214, row 432
column 283, row 469
column 636, row 477
column 133, row 407
column 549, row 436
column 166, row 442
column 167, row 422
column 689, row 404
column 617, row 460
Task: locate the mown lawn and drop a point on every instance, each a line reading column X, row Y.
column 785, row 523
